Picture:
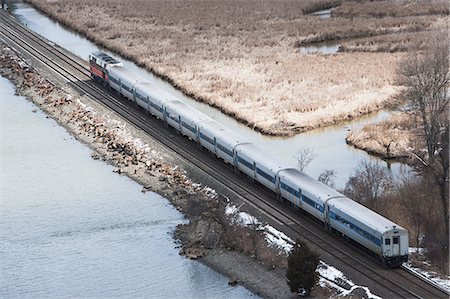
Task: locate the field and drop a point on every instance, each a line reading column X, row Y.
column 243, row 56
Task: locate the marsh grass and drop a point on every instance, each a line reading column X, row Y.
column 391, row 138
column 242, row 56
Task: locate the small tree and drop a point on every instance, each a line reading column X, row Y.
column 369, row 183
column 302, row 264
column 304, row 157
column 327, row 177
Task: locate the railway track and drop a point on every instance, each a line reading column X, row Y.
column 392, row 283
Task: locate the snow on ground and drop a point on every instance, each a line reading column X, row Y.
column 329, row 275
column 443, row 283
column 279, row 239
column 332, row 277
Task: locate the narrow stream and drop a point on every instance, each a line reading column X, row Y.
column 328, row 144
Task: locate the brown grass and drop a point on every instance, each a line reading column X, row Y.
column 391, row 138
column 242, row 56
column 398, row 8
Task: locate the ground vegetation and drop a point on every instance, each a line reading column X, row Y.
column 243, row 56
column 301, row 272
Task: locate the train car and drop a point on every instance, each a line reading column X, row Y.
column 380, row 235
column 123, row 81
column 141, row 95
column 157, row 99
column 313, row 194
column 219, row 140
column 259, row 165
column 184, row 118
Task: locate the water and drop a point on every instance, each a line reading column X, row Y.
column 329, row 144
column 321, row 48
column 70, row 227
column 323, row 14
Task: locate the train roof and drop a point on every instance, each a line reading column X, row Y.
column 304, row 181
column 123, row 73
column 222, row 132
column 105, row 58
column 364, row 215
column 187, row 111
column 155, row 92
column 262, row 157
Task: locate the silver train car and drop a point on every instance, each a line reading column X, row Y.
column 337, row 212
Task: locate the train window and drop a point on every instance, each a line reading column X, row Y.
column 387, row 241
column 395, row 240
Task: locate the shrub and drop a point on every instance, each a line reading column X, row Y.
column 301, row 273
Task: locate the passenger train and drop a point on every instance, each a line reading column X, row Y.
column 337, row 212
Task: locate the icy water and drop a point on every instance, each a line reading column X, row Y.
column 328, row 144
column 72, row 228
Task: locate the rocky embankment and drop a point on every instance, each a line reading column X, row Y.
column 240, row 252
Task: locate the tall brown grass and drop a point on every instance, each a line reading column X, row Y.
column 391, row 138
column 242, row 56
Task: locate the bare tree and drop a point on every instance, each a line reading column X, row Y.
column 412, row 194
column 304, row 157
column 327, row 177
column 369, row 183
column 425, row 78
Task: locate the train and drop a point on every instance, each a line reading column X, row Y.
column 382, row 237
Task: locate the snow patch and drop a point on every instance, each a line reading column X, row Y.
column 279, row 239
column 441, row 282
column 330, row 276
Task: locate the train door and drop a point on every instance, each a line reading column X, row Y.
column 396, row 245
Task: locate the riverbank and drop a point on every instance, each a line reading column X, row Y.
column 244, row 59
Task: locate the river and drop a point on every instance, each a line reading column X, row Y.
column 328, row 144
column 72, row 228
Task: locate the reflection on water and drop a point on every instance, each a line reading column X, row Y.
column 70, row 227
column 329, row 144
column 323, row 14
column 321, row 48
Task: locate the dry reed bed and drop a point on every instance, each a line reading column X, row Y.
column 241, row 56
column 380, row 9
column 391, row 138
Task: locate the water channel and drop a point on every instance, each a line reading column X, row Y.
column 328, row 144
column 71, row 228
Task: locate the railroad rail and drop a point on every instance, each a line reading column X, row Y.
column 391, row 283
